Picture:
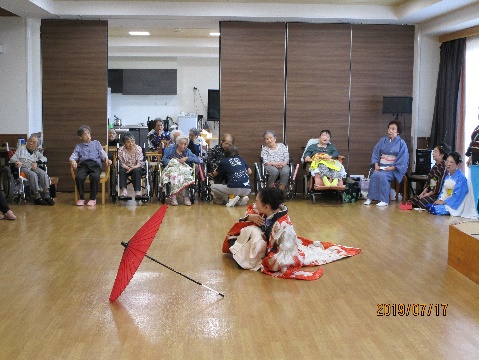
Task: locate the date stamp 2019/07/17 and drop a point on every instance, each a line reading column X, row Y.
column 387, row 309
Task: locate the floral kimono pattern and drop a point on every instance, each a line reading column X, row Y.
column 178, row 175
column 277, row 251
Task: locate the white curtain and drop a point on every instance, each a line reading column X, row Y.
column 472, row 88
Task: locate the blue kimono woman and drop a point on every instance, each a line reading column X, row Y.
column 454, row 190
column 390, row 159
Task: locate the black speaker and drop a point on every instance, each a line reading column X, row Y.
column 423, row 161
column 397, row 105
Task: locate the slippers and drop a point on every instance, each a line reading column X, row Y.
column 91, row 203
column 9, row 215
column 80, row 202
column 124, row 193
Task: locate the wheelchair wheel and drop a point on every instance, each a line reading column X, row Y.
column 192, row 192
column 114, row 199
column 258, row 182
column 290, row 194
column 17, row 199
column 7, row 182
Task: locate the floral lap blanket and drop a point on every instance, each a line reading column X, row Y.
column 178, row 175
column 319, row 158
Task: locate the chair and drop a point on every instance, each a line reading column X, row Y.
column 397, row 187
column 104, row 177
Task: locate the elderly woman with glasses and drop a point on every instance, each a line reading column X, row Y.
column 177, row 172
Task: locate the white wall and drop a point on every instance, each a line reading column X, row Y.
column 426, row 68
column 20, row 66
column 13, row 79
column 34, row 77
column 202, row 73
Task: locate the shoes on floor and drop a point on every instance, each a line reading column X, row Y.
column 382, row 203
column 244, row 200
column 137, row 194
column 186, row 201
column 232, row 202
column 91, row 202
column 124, row 193
column 40, row 201
column 80, row 202
column 49, row 201
column 173, row 201
column 367, row 202
column 9, row 215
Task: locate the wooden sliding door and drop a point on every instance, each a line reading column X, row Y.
column 317, row 80
column 252, row 83
column 381, row 65
column 332, row 76
column 74, row 59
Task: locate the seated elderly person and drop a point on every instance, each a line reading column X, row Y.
column 451, row 200
column 217, row 154
column 157, row 136
column 275, row 159
column 197, row 144
column 27, row 158
column 435, row 178
column 87, row 158
column 324, row 166
column 131, row 164
column 113, row 138
column 177, row 172
column 390, row 160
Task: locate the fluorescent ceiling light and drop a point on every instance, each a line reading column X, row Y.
column 139, row 33
column 214, row 34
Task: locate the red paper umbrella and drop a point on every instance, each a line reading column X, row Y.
column 135, row 251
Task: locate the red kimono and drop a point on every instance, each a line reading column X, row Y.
column 277, row 251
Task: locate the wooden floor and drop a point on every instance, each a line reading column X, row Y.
column 58, row 265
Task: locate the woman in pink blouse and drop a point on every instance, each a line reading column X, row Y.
column 131, row 164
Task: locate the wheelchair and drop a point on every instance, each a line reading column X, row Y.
column 261, row 178
column 15, row 185
column 203, row 181
column 308, row 182
column 146, row 181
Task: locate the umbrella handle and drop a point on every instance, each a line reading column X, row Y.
column 187, row 277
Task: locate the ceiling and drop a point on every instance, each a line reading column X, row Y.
column 180, row 28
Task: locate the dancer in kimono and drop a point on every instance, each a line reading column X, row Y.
column 264, row 239
column 435, row 178
column 177, row 172
column 454, row 189
column 326, row 170
column 390, row 159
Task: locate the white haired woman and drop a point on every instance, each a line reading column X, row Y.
column 177, row 172
column 275, row 158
